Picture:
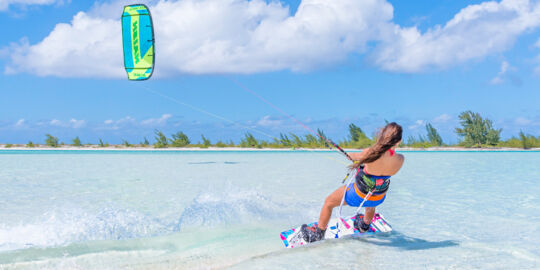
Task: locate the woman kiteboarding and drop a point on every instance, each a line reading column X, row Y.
column 374, row 166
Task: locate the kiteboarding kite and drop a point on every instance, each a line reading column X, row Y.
column 138, row 40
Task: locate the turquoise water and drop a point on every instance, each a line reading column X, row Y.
column 213, row 210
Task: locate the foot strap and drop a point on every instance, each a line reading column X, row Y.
column 363, row 226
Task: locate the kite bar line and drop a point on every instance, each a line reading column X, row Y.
column 220, row 117
column 205, row 112
column 343, row 198
column 329, row 142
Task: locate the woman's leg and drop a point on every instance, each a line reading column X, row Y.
column 331, row 201
column 370, row 212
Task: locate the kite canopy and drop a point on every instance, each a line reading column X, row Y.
column 138, row 39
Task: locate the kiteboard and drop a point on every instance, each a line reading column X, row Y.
column 337, row 228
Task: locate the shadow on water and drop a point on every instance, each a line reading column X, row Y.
column 401, row 241
column 211, row 162
column 393, row 239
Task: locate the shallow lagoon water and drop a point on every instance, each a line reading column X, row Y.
column 214, row 210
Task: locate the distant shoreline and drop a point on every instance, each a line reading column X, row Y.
column 240, row 149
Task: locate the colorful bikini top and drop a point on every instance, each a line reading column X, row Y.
column 367, row 182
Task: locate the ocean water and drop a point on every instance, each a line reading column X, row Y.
column 225, row 210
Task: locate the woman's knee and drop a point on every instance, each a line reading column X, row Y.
column 330, row 201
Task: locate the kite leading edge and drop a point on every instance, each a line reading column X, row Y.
column 138, row 41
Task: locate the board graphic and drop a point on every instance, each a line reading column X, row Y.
column 336, row 229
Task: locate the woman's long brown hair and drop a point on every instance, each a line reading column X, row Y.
column 389, row 136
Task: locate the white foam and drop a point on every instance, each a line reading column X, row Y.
column 63, row 227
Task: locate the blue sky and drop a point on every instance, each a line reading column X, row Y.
column 327, row 64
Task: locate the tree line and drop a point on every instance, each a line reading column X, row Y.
column 475, row 131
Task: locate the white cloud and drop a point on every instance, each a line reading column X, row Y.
column 129, row 121
column 4, row 4
column 55, row 122
column 522, row 121
column 496, row 80
column 417, row 124
column 117, row 124
column 240, row 36
column 211, row 36
column 267, row 121
column 443, row 118
column 505, row 66
column 74, row 123
column 85, row 48
column 537, row 59
column 19, row 123
column 473, row 33
column 156, row 121
column 537, row 69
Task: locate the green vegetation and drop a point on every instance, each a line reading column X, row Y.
column 528, row 141
column 161, row 140
column 179, row 139
column 206, row 142
column 145, row 142
column 433, row 136
column 431, row 139
column 9, row 145
column 524, row 141
column 103, row 144
column 220, row 144
column 77, row 141
column 284, row 140
column 419, row 142
column 51, row 140
column 249, row 141
column 477, row 131
column 357, row 138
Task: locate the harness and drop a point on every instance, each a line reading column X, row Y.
column 368, row 184
column 371, row 183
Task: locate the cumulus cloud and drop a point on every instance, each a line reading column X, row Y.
column 19, row 123
column 443, row 118
column 4, row 4
column 522, row 121
column 118, row 124
column 129, row 121
column 268, row 121
column 240, row 36
column 72, row 123
column 156, row 121
column 55, row 122
column 474, row 32
column 537, row 69
column 417, row 124
column 86, row 47
column 500, row 75
column 211, row 36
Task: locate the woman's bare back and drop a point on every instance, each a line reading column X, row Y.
column 387, row 164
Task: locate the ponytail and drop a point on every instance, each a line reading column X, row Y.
column 388, row 137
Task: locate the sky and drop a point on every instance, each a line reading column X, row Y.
column 324, row 63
